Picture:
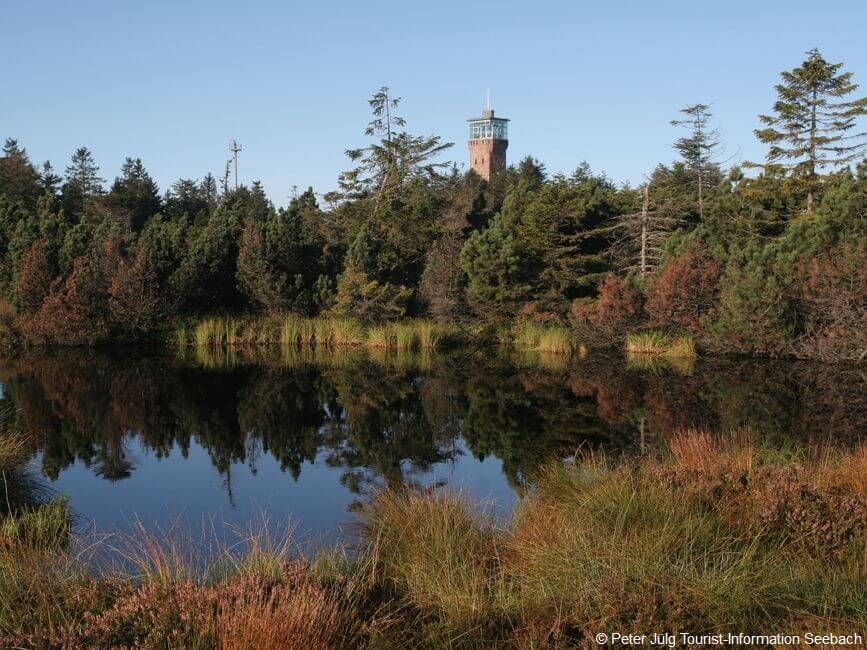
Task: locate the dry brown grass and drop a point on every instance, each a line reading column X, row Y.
column 302, row 616
column 848, row 472
column 703, row 451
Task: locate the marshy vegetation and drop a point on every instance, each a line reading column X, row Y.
column 554, row 339
column 711, row 534
column 293, row 331
column 656, row 343
column 290, row 331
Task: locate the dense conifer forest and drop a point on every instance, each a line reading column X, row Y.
column 766, row 257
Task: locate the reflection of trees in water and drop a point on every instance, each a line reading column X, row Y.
column 385, row 424
column 527, row 418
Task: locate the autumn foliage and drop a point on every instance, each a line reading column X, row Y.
column 104, row 295
column 34, row 280
column 684, row 291
column 833, row 289
column 134, row 299
column 607, row 319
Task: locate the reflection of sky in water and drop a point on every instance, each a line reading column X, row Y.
column 189, row 489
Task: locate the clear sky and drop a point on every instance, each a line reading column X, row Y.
column 173, row 82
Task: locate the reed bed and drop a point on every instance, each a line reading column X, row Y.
column 324, row 332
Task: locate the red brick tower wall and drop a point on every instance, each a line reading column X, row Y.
column 488, row 156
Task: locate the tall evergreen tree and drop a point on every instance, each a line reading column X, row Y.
column 48, row 180
column 19, row 180
column 398, row 157
column 698, row 149
column 811, row 127
column 83, row 183
column 135, row 194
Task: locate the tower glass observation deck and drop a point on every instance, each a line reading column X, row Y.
column 488, row 127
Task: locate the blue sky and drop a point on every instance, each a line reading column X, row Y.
column 173, row 82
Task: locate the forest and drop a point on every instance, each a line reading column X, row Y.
column 764, row 258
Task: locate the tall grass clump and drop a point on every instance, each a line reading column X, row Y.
column 658, row 343
column 412, row 335
column 435, row 550
column 297, row 331
column 217, row 331
column 542, row 338
column 338, row 332
column 44, row 526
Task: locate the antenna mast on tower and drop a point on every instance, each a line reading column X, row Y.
column 234, row 147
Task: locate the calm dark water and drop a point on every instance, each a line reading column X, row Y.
column 221, row 441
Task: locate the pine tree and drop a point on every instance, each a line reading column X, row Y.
column 811, row 127
column 134, row 194
column 699, row 148
column 83, row 183
column 19, row 180
column 386, row 166
column 48, row 180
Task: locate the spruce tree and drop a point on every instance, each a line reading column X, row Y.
column 134, row 194
column 398, row 157
column 19, row 180
column 811, row 126
column 48, row 180
column 82, row 182
column 699, row 148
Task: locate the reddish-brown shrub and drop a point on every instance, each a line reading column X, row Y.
column 685, row 290
column 76, row 310
column 606, row 320
column 833, row 290
column 134, row 297
column 34, row 279
column 530, row 312
column 289, row 611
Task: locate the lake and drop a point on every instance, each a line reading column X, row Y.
column 220, row 441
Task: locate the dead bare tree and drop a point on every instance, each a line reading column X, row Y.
column 641, row 236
